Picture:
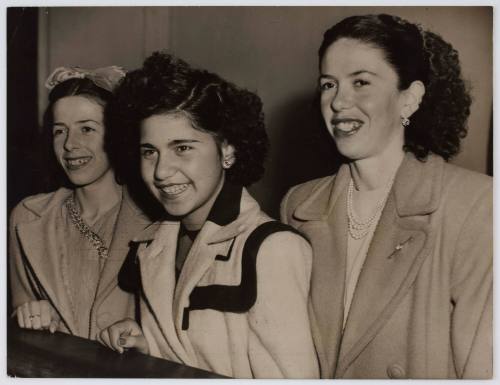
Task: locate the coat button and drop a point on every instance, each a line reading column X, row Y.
column 395, row 371
column 103, row 320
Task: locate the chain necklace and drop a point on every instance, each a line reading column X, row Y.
column 84, row 229
column 98, row 244
column 358, row 229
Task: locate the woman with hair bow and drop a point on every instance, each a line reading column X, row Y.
column 66, row 247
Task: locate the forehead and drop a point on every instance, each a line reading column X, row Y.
column 347, row 55
column 167, row 127
column 77, row 108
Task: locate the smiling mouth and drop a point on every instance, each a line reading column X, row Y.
column 77, row 163
column 346, row 127
column 172, row 190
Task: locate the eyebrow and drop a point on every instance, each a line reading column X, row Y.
column 172, row 143
column 79, row 122
column 355, row 73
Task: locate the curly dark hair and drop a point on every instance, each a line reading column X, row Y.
column 415, row 54
column 168, row 85
column 71, row 87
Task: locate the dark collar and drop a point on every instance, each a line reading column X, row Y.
column 226, row 207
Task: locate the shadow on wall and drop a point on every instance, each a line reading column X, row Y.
column 301, row 150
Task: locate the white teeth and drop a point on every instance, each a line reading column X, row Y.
column 175, row 189
column 77, row 162
column 347, row 126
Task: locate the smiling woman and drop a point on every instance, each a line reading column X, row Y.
column 402, row 272
column 221, row 286
column 64, row 250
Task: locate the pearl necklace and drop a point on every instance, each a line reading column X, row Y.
column 359, row 229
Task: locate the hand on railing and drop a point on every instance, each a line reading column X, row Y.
column 125, row 334
column 37, row 315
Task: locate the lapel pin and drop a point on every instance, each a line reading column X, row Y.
column 399, row 247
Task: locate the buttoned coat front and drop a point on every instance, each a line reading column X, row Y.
column 35, row 270
column 422, row 307
column 227, row 329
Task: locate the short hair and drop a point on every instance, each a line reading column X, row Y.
column 415, row 54
column 168, row 85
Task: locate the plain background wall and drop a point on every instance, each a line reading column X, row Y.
column 269, row 50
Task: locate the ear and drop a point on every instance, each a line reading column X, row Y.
column 228, row 154
column 412, row 97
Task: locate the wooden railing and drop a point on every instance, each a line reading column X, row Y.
column 41, row 354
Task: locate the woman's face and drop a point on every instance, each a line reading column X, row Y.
column 78, row 139
column 181, row 166
column 360, row 101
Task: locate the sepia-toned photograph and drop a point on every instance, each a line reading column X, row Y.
column 249, row 192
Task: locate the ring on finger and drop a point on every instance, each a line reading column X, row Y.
column 33, row 316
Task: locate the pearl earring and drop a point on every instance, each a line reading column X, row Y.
column 227, row 163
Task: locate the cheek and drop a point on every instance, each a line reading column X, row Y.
column 147, row 170
column 325, row 102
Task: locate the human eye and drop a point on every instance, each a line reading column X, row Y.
column 358, row 83
column 327, row 84
column 183, row 148
column 147, row 153
column 87, row 129
column 56, row 131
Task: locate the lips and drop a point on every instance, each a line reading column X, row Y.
column 77, row 163
column 346, row 127
column 173, row 189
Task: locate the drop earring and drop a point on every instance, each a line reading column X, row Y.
column 405, row 121
column 227, row 163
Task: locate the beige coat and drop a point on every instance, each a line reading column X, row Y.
column 226, row 332
column 422, row 307
column 35, row 272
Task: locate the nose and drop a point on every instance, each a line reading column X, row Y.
column 165, row 167
column 71, row 141
column 342, row 100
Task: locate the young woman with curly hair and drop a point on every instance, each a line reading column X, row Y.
column 222, row 287
column 402, row 240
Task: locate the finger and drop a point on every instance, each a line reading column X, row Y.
column 116, row 332
column 26, row 316
column 54, row 324
column 20, row 318
column 35, row 315
column 137, row 342
column 45, row 314
column 105, row 338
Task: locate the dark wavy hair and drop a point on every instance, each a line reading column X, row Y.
column 440, row 122
column 71, row 87
column 168, row 85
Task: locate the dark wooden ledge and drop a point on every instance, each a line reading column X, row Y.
column 41, row 354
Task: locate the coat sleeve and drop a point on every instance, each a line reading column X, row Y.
column 22, row 284
column 280, row 340
column 471, row 290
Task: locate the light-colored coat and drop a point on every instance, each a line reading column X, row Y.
column 422, row 307
column 35, row 272
column 270, row 339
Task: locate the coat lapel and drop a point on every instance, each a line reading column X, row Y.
column 41, row 246
column 399, row 246
column 157, row 264
column 129, row 222
column 326, row 228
